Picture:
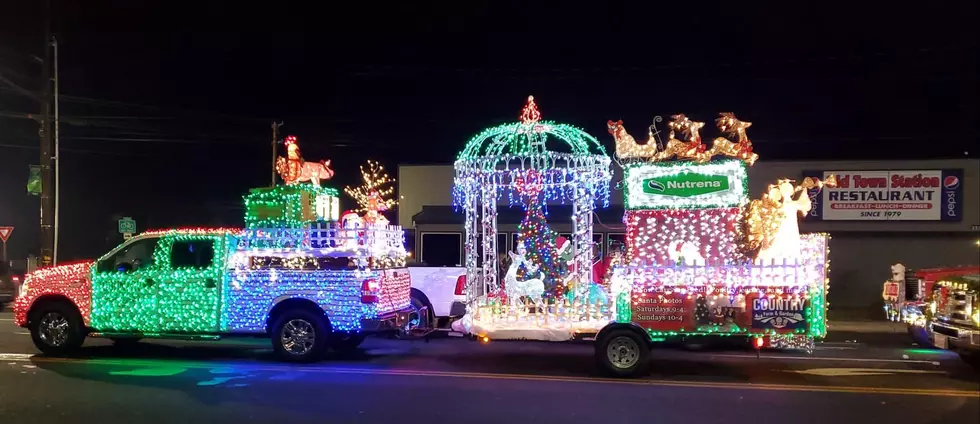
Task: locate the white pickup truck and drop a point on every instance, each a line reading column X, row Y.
column 441, row 291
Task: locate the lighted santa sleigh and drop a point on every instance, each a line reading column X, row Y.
column 700, row 258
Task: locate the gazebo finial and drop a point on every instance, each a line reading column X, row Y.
column 530, row 114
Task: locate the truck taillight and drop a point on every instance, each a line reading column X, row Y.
column 460, row 285
column 369, row 291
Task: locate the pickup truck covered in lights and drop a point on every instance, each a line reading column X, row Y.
column 306, row 281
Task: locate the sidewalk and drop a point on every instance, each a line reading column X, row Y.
column 882, row 326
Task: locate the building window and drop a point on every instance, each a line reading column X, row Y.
column 442, row 249
column 597, row 242
column 615, row 241
column 502, row 245
column 410, row 243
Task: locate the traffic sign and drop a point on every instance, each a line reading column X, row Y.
column 5, row 233
column 127, row 225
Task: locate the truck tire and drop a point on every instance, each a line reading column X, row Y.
column 56, row 328
column 920, row 336
column 346, row 342
column 300, row 335
column 623, row 353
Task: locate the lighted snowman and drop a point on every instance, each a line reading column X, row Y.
column 352, row 225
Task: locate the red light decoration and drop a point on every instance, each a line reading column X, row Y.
column 73, row 281
column 194, row 231
column 529, row 184
column 657, row 236
column 530, row 114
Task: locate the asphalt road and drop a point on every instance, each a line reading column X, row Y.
column 851, row 378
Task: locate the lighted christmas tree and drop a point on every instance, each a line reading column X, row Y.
column 538, row 238
column 372, row 196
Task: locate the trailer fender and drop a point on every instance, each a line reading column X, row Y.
column 622, row 326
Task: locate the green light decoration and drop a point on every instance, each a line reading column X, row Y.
column 157, row 295
column 290, row 206
column 519, row 139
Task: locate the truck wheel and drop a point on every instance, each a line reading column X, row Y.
column 56, row 329
column 920, row 335
column 300, row 336
column 622, row 353
column 346, row 342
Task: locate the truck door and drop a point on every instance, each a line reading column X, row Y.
column 123, row 298
column 189, row 296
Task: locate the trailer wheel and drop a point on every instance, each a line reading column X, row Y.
column 623, row 353
column 300, row 335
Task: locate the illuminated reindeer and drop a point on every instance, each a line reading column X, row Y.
column 728, row 123
column 692, row 148
column 626, row 145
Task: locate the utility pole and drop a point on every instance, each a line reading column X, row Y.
column 57, row 153
column 47, row 147
column 275, row 148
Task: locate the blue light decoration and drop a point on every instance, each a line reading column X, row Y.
column 296, row 246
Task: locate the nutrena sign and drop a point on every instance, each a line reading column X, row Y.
column 686, row 185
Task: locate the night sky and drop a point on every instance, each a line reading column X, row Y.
column 166, row 108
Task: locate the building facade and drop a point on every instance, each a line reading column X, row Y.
column 919, row 213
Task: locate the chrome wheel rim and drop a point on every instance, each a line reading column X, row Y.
column 623, row 352
column 53, row 329
column 298, row 336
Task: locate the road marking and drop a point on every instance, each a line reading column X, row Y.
column 518, row 377
column 854, row 372
column 16, row 356
column 23, row 333
column 827, row 358
column 6, row 319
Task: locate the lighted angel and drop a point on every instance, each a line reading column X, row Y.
column 785, row 242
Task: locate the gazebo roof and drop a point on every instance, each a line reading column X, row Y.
column 530, row 137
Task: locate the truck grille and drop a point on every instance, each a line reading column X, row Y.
column 951, row 332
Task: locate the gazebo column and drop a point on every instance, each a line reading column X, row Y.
column 489, row 221
column 582, row 207
column 472, row 233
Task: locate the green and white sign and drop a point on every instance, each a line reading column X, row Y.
column 127, row 226
column 686, row 185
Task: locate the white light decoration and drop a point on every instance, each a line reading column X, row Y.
column 492, row 166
